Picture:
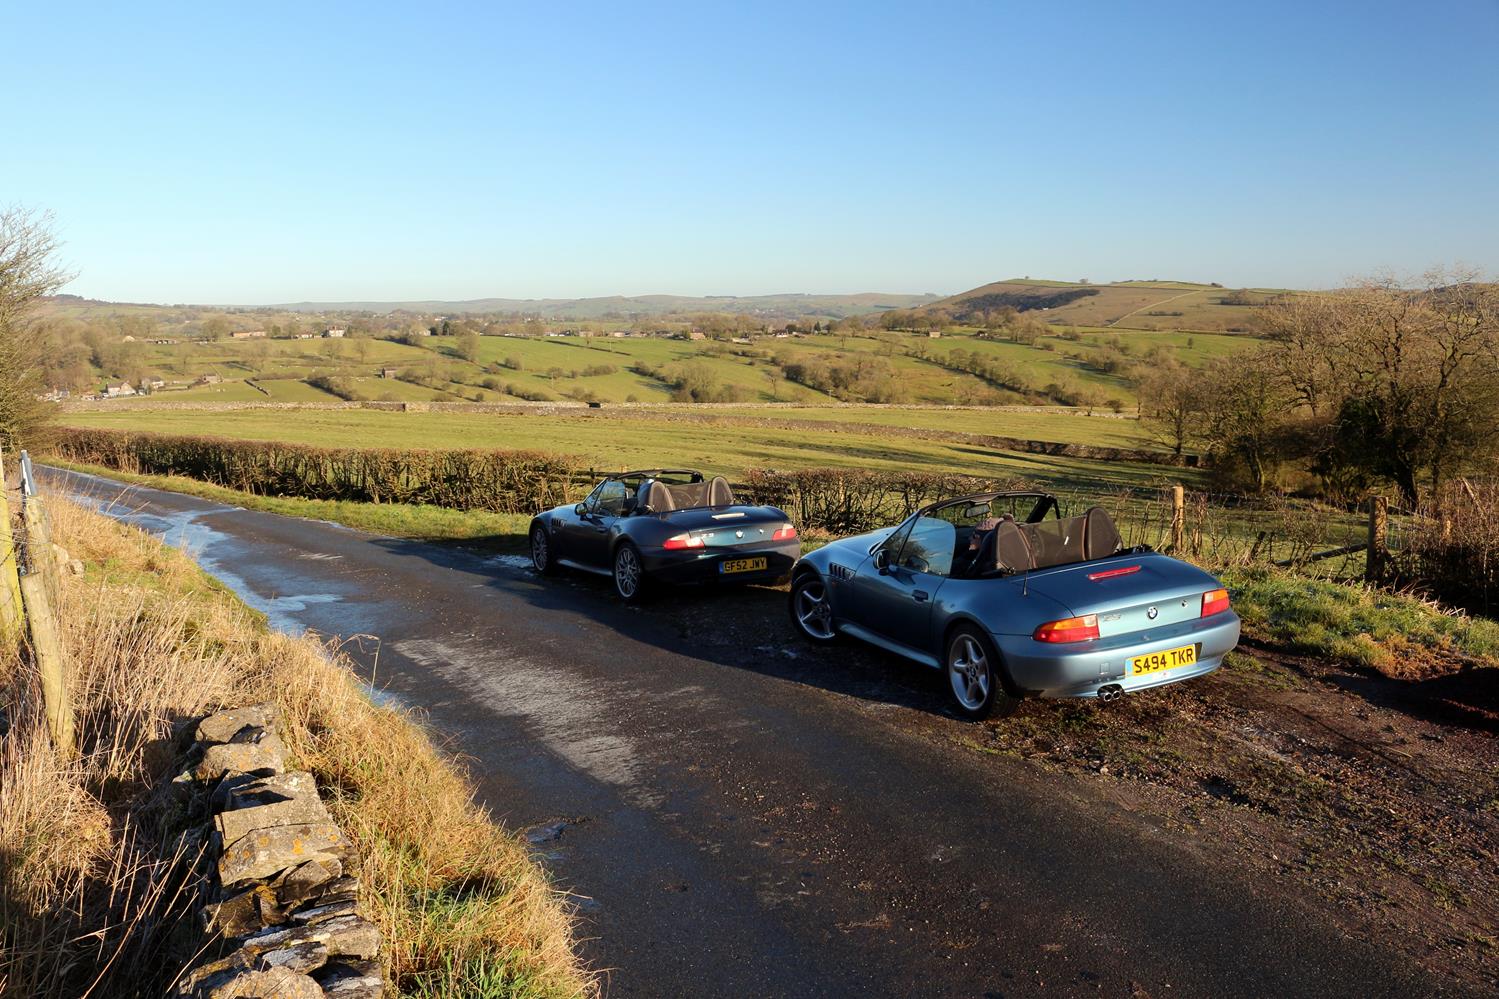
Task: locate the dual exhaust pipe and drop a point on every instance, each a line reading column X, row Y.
column 1110, row 692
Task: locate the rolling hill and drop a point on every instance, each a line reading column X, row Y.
column 1147, row 305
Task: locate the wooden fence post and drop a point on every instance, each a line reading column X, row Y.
column 1379, row 528
column 46, row 649
column 1178, row 518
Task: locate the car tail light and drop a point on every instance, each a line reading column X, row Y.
column 1111, row 573
column 684, row 541
column 785, row 532
column 1214, row 602
column 1072, row 629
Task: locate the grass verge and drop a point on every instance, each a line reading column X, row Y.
column 1397, row 634
column 474, row 528
column 97, row 864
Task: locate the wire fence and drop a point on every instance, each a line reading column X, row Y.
column 1222, row 529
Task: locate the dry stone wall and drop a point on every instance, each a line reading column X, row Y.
column 285, row 912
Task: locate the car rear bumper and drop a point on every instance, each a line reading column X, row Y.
column 1081, row 669
column 706, row 567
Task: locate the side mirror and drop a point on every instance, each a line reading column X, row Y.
column 882, row 560
column 580, row 509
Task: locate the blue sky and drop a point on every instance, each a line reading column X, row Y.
column 277, row 152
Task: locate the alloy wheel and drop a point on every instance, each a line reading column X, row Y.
column 540, row 553
column 626, row 571
column 813, row 612
column 968, row 671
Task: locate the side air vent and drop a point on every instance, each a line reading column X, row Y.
column 840, row 571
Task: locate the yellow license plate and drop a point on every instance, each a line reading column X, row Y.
column 1157, row 661
column 741, row 565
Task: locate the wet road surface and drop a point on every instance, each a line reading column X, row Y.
column 741, row 815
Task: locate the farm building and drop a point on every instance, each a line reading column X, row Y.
column 247, row 334
column 115, row 390
column 334, row 331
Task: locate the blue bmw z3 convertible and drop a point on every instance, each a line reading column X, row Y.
column 1011, row 603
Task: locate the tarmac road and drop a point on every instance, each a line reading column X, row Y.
column 742, row 815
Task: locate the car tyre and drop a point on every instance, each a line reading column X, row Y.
column 542, row 559
column 811, row 611
column 974, row 676
column 629, row 573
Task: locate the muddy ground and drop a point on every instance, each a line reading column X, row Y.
column 1377, row 797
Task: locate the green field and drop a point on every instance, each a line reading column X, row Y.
column 713, row 440
column 917, row 369
column 1063, row 426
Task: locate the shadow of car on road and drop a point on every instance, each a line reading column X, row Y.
column 743, row 627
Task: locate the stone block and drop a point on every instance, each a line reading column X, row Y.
column 200, row 980
column 344, row 889
column 271, row 983
column 345, row 936
column 249, row 791
column 234, row 824
column 322, row 913
column 244, row 912
column 262, row 757
column 302, row 957
column 225, row 725
column 351, row 979
column 269, row 790
column 307, row 880
column 268, row 852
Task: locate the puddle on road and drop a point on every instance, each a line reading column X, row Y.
column 184, row 529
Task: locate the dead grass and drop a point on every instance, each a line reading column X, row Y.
column 98, row 866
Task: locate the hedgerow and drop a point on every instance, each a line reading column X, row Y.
column 469, row 479
column 823, row 500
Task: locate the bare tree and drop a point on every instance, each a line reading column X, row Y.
column 1403, row 377
column 28, row 273
column 1171, row 405
column 1245, row 419
column 773, row 375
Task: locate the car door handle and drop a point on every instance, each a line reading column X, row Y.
column 920, row 595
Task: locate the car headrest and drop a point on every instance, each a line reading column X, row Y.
column 1012, row 550
column 688, row 495
column 719, row 493
column 1100, row 536
column 654, row 497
